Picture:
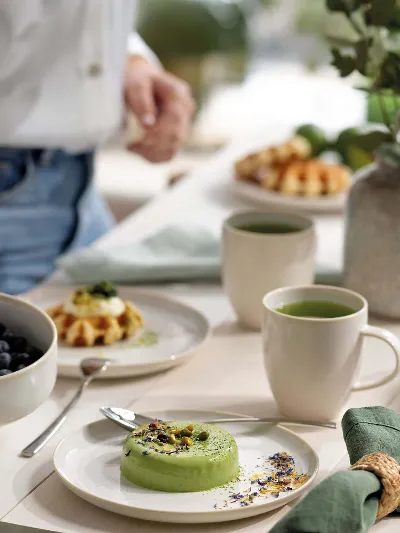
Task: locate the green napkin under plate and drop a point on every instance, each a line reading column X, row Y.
column 347, row 502
column 174, row 254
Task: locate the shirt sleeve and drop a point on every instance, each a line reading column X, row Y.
column 136, row 45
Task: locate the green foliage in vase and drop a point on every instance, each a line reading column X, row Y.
column 374, row 53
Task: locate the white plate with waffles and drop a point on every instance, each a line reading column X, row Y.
column 286, row 175
column 320, row 204
column 171, row 333
column 88, row 463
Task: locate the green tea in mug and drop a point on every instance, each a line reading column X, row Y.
column 269, row 227
column 315, row 309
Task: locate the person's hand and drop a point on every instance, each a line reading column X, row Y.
column 164, row 106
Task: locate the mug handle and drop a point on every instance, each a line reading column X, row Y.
column 390, row 339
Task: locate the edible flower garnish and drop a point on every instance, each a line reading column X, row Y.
column 280, row 476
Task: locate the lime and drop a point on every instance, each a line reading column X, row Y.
column 344, row 141
column 357, row 158
column 315, row 136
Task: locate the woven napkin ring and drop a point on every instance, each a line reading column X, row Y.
column 388, row 471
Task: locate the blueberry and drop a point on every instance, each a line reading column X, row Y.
column 20, row 367
column 5, row 361
column 2, row 329
column 7, row 334
column 35, row 353
column 4, row 346
column 5, row 372
column 18, row 344
column 20, row 359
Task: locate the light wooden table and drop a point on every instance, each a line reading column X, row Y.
column 226, row 374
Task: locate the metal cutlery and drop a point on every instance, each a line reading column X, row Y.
column 130, row 420
column 89, row 369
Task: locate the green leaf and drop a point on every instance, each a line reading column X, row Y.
column 382, row 12
column 389, row 74
column 336, row 5
column 340, row 41
column 369, row 142
column 394, row 23
column 374, row 110
column 377, row 54
column 344, row 63
column 389, row 153
column 362, row 51
column 393, row 42
column 343, row 6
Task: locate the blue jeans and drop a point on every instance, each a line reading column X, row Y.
column 48, row 205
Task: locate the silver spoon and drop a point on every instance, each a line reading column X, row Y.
column 89, row 369
column 130, row 420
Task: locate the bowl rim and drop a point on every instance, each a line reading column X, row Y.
column 50, row 350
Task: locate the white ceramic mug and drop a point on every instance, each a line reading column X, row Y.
column 312, row 363
column 255, row 263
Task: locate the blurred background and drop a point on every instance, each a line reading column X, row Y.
column 248, row 63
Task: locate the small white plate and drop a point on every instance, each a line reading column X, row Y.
column 324, row 204
column 87, row 462
column 175, row 329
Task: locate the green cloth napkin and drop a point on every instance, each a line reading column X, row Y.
column 176, row 253
column 347, row 502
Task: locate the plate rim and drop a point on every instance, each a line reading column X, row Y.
column 138, row 369
column 243, row 189
column 220, row 512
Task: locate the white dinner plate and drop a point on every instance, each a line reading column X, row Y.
column 87, row 462
column 173, row 331
column 324, row 204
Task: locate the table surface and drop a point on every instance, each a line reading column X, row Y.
column 33, row 495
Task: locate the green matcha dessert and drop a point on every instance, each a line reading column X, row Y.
column 180, row 456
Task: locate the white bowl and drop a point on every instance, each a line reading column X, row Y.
column 23, row 391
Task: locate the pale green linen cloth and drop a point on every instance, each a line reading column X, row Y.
column 176, row 253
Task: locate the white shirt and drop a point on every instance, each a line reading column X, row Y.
column 61, row 67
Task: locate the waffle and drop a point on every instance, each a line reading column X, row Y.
column 287, row 168
column 310, row 177
column 89, row 331
column 280, row 154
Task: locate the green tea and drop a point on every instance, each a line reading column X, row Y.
column 315, row 309
column 269, row 227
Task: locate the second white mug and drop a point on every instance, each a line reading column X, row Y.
column 263, row 251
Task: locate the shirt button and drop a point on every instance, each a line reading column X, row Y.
column 94, row 70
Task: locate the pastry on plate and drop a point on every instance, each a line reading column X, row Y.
column 310, row 177
column 280, row 154
column 95, row 315
column 287, row 168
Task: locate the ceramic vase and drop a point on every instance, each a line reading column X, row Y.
column 372, row 238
